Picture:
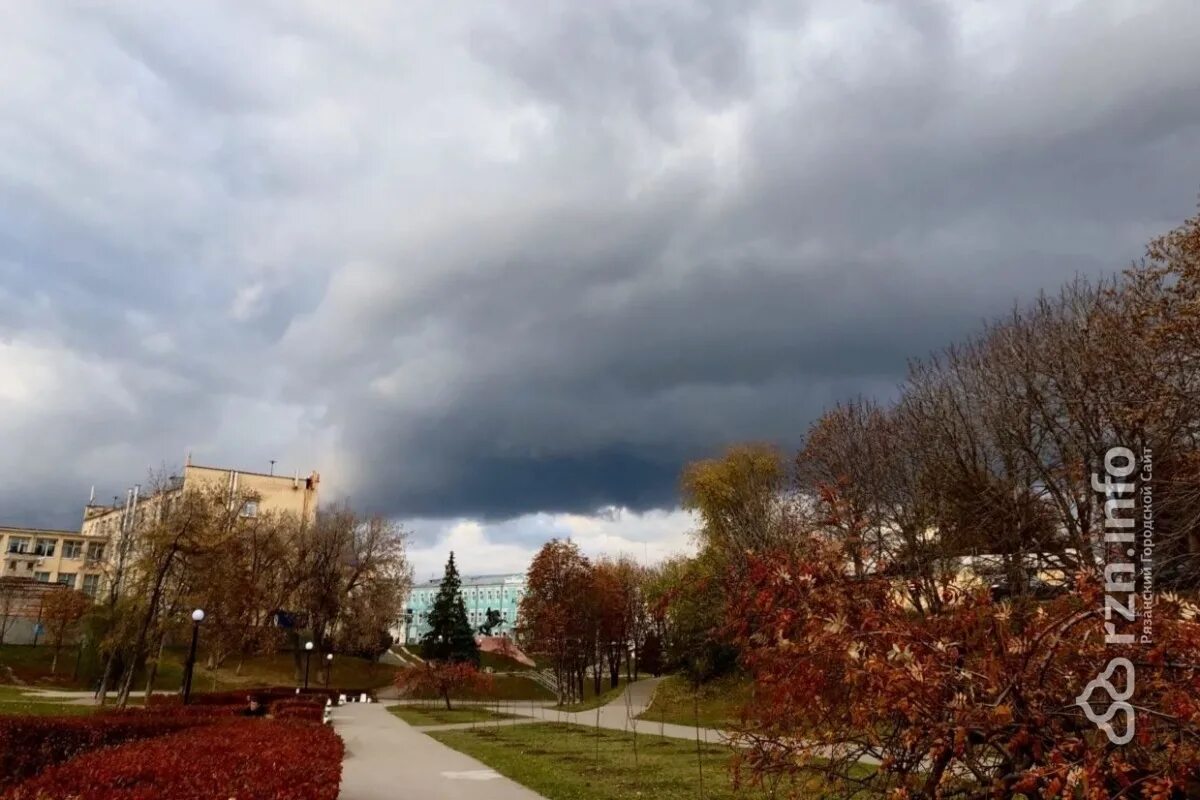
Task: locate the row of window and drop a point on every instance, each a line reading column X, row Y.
column 473, row 616
column 90, row 585
column 20, row 545
column 474, row 594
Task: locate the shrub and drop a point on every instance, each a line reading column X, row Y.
column 444, row 679
column 31, row 744
column 262, row 759
column 979, row 691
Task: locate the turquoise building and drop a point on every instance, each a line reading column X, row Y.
column 501, row 593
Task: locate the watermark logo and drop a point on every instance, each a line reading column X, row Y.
column 1121, row 490
column 1119, row 701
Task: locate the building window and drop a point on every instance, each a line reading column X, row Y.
column 45, row 547
column 250, row 509
column 41, row 577
column 67, row 579
column 18, row 545
column 72, row 549
column 91, row 585
column 95, row 551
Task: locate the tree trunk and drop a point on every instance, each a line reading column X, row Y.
column 139, row 643
column 54, row 660
column 106, row 678
column 152, row 673
column 127, row 682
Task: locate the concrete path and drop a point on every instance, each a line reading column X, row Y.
column 386, row 759
column 621, row 715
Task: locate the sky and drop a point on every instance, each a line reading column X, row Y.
column 497, row 270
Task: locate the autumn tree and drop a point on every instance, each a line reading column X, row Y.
column 988, row 456
column 552, row 622
column 62, row 612
column 743, row 500
column 347, row 579
column 977, row 701
column 243, row 583
column 445, row 680
column 209, row 547
column 166, row 536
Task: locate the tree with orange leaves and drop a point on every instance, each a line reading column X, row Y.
column 978, row 701
column 444, row 679
column 556, row 618
column 62, row 612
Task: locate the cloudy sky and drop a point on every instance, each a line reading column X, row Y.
column 498, row 269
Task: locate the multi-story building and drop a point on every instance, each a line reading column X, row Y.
column 501, row 593
column 276, row 493
column 90, row 559
column 74, row 559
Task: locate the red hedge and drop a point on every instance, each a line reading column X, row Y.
column 30, row 744
column 243, row 759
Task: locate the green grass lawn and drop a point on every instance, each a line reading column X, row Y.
column 507, row 688
column 570, row 762
column 421, row 715
column 495, row 661
column 718, row 702
column 28, row 664
column 16, row 700
column 31, row 665
column 277, row 669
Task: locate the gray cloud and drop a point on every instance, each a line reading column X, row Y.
column 487, row 262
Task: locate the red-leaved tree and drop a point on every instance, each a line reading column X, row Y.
column 445, row 679
column 558, row 614
column 978, row 701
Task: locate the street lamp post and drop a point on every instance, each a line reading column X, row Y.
column 197, row 618
column 328, row 668
column 308, row 647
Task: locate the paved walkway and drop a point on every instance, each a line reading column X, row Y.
column 621, row 715
column 387, row 759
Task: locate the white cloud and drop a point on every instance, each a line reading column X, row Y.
column 509, row 546
column 247, row 302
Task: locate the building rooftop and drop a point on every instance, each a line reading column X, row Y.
column 475, row 580
column 21, row 530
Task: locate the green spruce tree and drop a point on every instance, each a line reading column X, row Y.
column 450, row 637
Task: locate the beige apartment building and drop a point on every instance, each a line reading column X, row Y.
column 276, row 493
column 71, row 558
column 87, row 559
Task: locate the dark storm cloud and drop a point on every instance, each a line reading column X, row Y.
column 482, row 262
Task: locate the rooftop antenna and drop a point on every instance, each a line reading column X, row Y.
column 272, row 466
